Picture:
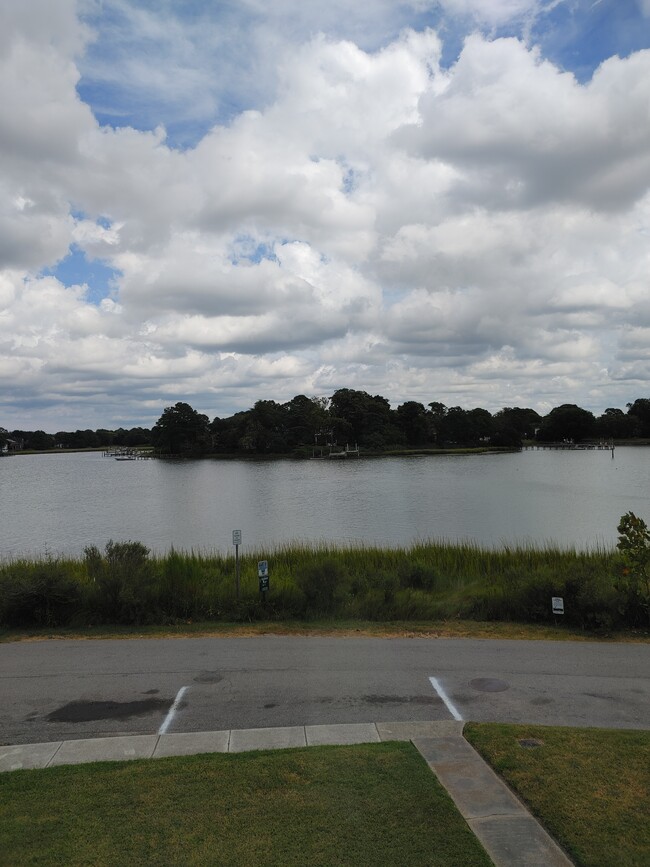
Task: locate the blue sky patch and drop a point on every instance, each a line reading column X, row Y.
column 77, row 269
column 579, row 36
column 249, row 249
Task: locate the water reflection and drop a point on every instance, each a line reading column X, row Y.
column 60, row 503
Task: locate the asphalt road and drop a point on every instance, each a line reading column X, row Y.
column 55, row 690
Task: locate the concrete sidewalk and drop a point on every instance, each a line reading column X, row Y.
column 509, row 834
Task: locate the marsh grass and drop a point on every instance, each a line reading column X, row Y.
column 427, row 581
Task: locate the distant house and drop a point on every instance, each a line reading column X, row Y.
column 13, row 445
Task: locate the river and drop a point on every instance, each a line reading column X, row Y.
column 56, row 504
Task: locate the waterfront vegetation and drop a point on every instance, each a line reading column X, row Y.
column 603, row 590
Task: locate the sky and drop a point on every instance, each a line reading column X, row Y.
column 229, row 201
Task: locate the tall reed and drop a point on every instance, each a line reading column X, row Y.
column 429, row 580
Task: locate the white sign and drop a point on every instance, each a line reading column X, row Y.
column 263, row 568
column 236, row 537
column 558, row 604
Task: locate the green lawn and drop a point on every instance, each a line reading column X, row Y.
column 375, row 804
column 589, row 787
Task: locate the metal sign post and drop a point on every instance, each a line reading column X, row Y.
column 557, row 605
column 263, row 577
column 236, row 540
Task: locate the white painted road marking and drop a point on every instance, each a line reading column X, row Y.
column 443, row 695
column 172, row 710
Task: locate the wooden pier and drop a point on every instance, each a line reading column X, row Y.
column 128, row 454
column 602, row 446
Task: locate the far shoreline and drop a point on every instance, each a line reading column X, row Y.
column 387, row 453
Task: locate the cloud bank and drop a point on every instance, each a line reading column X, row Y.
column 474, row 232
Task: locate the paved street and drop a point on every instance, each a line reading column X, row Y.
column 57, row 690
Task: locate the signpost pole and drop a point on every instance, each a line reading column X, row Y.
column 237, row 569
column 236, row 540
column 263, row 577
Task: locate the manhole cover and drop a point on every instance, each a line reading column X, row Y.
column 208, row 677
column 489, row 684
column 530, row 743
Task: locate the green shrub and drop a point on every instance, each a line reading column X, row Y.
column 412, row 604
column 416, row 576
column 371, row 606
column 39, row 594
column 322, row 587
column 123, row 586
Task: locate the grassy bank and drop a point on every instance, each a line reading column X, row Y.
column 428, row 582
column 374, row 804
column 590, row 787
column 328, row 629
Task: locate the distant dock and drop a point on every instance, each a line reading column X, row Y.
column 333, row 452
column 603, row 446
column 127, row 454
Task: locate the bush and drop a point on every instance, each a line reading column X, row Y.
column 417, row 577
column 39, row 594
column 122, row 589
column 322, row 587
column 590, row 600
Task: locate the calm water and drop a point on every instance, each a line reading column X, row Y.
column 60, row 503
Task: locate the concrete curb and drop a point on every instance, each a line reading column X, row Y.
column 74, row 752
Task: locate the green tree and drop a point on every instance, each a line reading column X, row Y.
column 39, row 441
column 305, row 417
column 634, row 581
column 364, row 419
column 437, row 412
column 455, row 428
column 181, row 430
column 415, row 423
column 523, row 420
column 482, row 424
column 79, row 439
column 615, row 424
column 265, row 429
column 567, row 422
column 640, row 412
column 227, row 433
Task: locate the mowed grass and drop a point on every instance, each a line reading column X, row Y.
column 589, row 787
column 374, row 804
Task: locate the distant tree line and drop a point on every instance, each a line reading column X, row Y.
column 38, row 440
column 354, row 417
